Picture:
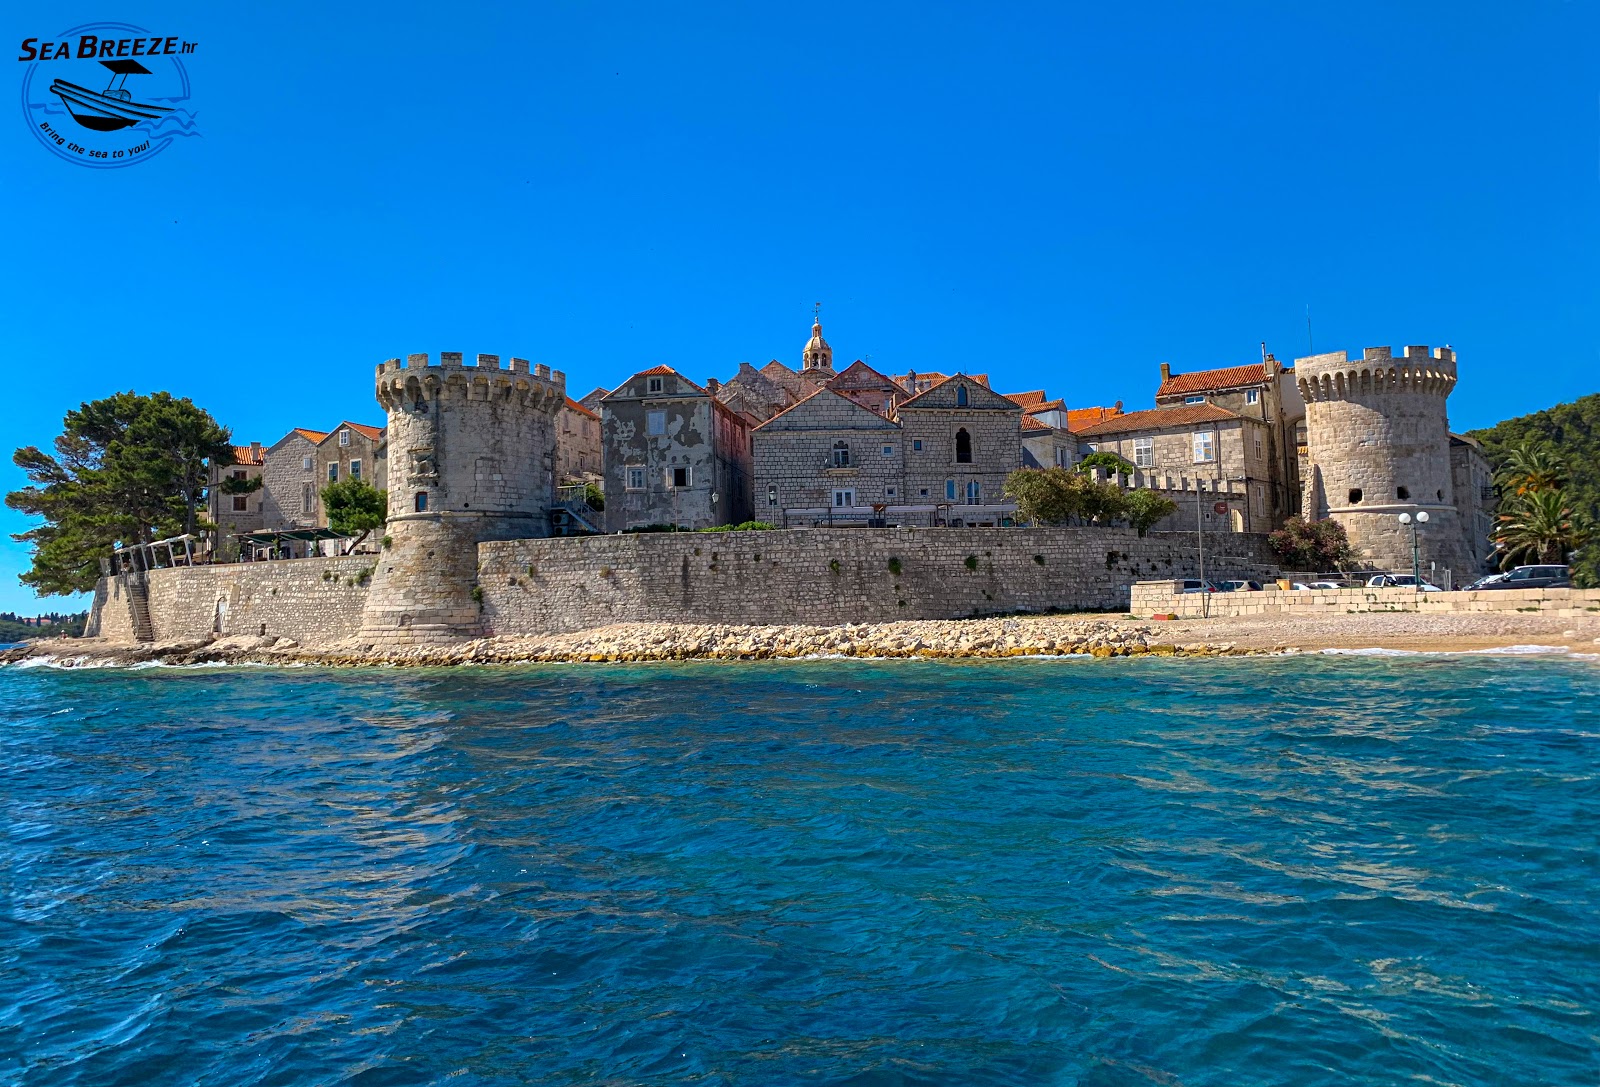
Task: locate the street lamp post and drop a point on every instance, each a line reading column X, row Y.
column 1416, row 558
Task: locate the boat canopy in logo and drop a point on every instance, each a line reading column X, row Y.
column 140, row 112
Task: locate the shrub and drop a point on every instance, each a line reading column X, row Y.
column 744, row 526
column 477, row 594
column 1312, row 545
column 1110, row 462
column 971, row 562
column 833, row 564
column 388, row 542
column 1144, row 508
column 1039, row 559
column 894, row 566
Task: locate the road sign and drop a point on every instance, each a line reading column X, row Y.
column 1221, row 507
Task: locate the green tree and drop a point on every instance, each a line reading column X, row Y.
column 126, row 469
column 1531, row 465
column 1109, row 462
column 1540, row 526
column 1044, row 496
column 1144, row 508
column 354, row 506
column 1312, row 545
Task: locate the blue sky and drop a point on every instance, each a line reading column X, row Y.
column 1058, row 196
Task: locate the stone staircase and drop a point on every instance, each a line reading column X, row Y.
column 138, row 590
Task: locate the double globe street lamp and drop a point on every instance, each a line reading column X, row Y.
column 1421, row 518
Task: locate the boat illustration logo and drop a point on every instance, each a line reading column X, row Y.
column 143, row 110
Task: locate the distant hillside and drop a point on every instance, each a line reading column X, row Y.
column 1573, row 431
column 13, row 630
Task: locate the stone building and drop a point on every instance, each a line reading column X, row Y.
column 235, row 513
column 1195, row 453
column 472, row 451
column 961, row 441
column 290, row 484
column 1264, row 391
column 672, row 454
column 1378, row 445
column 577, row 444
column 1472, row 477
column 864, row 386
column 826, row 455
column 1048, row 440
column 349, row 451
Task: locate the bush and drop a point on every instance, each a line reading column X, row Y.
column 744, row 526
column 970, row 562
column 894, row 566
column 1054, row 496
column 1312, row 545
column 1110, row 462
column 1144, row 508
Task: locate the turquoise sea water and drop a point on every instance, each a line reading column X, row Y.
column 1292, row 871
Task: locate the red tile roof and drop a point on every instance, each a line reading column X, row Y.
column 310, row 435
column 1078, row 418
column 243, row 454
column 1030, row 423
column 580, row 409
column 1229, row 377
column 1029, row 401
column 656, row 370
column 1159, row 418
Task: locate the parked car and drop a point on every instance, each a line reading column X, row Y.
column 1534, row 577
column 1485, row 581
column 1195, row 585
column 1242, row 586
column 1402, row 581
column 1324, row 585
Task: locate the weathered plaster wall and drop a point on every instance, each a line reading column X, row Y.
column 827, row 576
column 314, row 601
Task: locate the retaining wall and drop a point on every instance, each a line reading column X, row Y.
column 830, row 576
column 314, row 601
column 1159, row 598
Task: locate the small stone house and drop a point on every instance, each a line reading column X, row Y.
column 672, row 454
column 961, row 441
column 1195, row 453
column 350, row 451
column 289, row 488
column 235, row 513
column 577, row 444
column 827, row 455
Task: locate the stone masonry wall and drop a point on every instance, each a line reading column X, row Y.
column 828, row 576
column 314, row 601
column 1159, row 598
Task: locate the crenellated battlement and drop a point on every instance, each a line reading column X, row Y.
column 419, row 377
column 1416, row 369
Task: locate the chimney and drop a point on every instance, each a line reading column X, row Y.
column 1166, row 371
column 255, row 452
column 1270, row 362
column 712, row 385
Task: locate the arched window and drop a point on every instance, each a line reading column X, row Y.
column 961, row 396
column 422, row 501
column 841, row 454
column 963, row 446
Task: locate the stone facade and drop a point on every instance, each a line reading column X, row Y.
column 350, row 451
column 826, row 453
column 1472, row 476
column 291, row 486
column 1162, row 598
column 472, row 452
column 1265, row 392
column 1196, row 452
column 827, row 576
column 577, row 444
column 961, row 441
column 861, row 384
column 673, row 454
column 1378, row 445
column 235, row 513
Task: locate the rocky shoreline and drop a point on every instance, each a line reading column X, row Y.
column 630, row 642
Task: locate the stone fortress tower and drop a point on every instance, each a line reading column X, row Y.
column 1377, row 446
column 471, row 452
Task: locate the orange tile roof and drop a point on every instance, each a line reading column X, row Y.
column 580, row 409
column 656, row 370
column 243, row 454
column 1159, row 418
column 1229, row 377
column 1029, row 401
column 1030, row 423
column 372, row 432
column 310, row 435
column 1078, row 418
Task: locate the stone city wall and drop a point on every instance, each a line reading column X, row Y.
column 315, row 601
column 1161, row 598
column 829, row 576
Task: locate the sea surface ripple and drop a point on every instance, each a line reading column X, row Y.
column 1334, row 870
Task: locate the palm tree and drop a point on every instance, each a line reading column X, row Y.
column 1540, row 526
column 1530, row 466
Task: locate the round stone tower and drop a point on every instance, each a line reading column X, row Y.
column 471, row 450
column 1377, row 446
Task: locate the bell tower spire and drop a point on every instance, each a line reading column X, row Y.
column 818, row 356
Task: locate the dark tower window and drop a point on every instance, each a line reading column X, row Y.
column 963, row 445
column 1355, row 495
column 1402, row 493
column 422, row 501
column 961, row 396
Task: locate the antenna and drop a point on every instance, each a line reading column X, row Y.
column 816, row 313
column 1311, row 348
column 1263, row 350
